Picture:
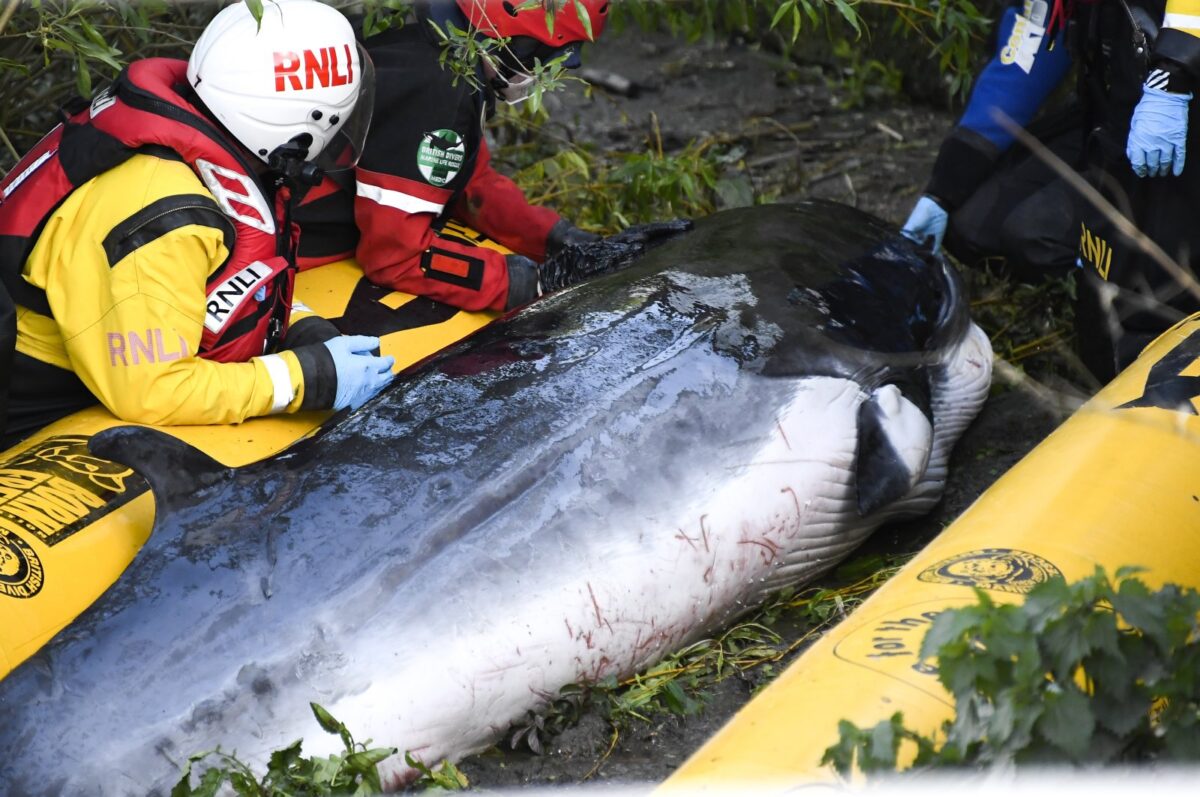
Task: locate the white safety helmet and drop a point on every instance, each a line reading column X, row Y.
column 299, row 77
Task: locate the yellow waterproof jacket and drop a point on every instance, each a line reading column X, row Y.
column 1183, row 15
column 128, row 301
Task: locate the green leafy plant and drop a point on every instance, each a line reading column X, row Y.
column 952, row 33
column 1093, row 672
column 862, row 76
column 1031, row 324
column 289, row 774
column 605, row 191
column 444, row 777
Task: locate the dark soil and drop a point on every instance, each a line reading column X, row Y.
column 798, row 142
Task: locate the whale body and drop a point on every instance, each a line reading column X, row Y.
column 571, row 494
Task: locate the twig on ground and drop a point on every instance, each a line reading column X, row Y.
column 10, row 8
column 612, row 745
column 1057, row 400
column 610, row 82
column 882, row 128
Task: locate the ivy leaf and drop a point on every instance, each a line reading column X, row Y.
column 243, row 784
column 366, row 760
column 1122, row 714
column 1067, row 722
column 326, row 720
column 1046, row 601
column 1134, row 602
column 947, row 627
column 883, row 745
column 841, row 754
column 1184, row 741
column 283, row 760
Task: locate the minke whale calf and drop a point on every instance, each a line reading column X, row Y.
column 571, row 494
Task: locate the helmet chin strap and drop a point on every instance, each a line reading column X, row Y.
column 513, row 89
column 288, row 161
column 517, row 89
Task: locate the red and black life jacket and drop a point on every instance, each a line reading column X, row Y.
column 249, row 296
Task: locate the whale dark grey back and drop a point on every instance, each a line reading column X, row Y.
column 545, row 462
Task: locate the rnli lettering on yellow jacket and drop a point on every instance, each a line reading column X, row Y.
column 124, row 263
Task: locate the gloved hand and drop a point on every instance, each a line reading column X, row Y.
column 927, row 220
column 524, row 281
column 1157, row 141
column 360, row 374
column 653, row 233
column 573, row 264
column 564, row 233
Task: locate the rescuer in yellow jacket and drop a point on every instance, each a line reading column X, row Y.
column 147, row 242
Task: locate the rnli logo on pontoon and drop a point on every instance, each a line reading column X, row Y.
column 58, row 487
column 997, row 569
column 21, row 574
column 440, row 156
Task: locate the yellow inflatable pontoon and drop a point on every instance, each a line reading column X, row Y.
column 1117, row 484
column 70, row 523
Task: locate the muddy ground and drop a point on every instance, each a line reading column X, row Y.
column 793, row 139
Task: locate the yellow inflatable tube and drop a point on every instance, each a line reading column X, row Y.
column 70, row 523
column 1117, row 484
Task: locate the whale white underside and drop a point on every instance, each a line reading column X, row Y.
column 609, row 601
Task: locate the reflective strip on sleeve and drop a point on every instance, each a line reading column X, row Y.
column 396, row 199
column 281, row 380
column 1187, row 22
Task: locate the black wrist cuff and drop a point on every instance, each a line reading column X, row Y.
column 320, row 376
column 964, row 160
column 1178, row 51
column 1169, row 76
column 309, row 330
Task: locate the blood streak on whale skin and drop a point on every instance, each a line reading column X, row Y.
column 571, row 494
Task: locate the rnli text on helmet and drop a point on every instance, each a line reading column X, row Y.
column 320, row 66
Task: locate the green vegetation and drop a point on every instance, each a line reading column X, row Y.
column 289, row 773
column 1031, row 326
column 54, row 52
column 1094, row 672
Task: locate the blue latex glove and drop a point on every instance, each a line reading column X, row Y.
column 360, row 374
column 927, row 220
column 1158, row 133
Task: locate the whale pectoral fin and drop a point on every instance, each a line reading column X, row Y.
column 174, row 469
column 894, row 441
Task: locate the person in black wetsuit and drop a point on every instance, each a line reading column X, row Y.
column 1137, row 61
column 427, row 161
